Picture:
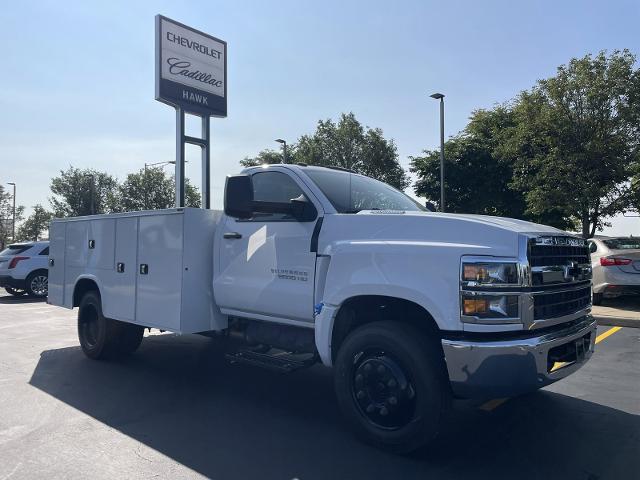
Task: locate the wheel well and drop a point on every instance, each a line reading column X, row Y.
column 83, row 286
column 357, row 311
column 37, row 271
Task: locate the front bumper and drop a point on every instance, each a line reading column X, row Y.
column 8, row 281
column 497, row 368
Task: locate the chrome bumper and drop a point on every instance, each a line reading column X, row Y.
column 514, row 366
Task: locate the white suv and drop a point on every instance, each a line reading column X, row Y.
column 24, row 269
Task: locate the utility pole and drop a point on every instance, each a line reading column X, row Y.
column 440, row 96
column 13, row 226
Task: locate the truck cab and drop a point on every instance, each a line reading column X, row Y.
column 311, row 264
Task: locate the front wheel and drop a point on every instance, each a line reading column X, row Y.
column 391, row 385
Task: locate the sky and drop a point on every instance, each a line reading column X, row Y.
column 77, row 78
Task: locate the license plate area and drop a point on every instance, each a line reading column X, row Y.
column 568, row 353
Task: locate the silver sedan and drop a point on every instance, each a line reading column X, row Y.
column 616, row 267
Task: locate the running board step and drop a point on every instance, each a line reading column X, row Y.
column 281, row 362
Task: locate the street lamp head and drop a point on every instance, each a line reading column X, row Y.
column 279, row 140
column 437, row 96
column 11, row 183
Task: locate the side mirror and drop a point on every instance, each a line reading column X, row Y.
column 430, row 206
column 238, row 196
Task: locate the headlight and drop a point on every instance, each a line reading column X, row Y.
column 485, row 306
column 489, row 273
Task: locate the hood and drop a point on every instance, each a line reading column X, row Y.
column 510, row 224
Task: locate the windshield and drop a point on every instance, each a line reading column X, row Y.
column 623, row 243
column 351, row 193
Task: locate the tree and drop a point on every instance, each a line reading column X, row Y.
column 576, row 139
column 76, row 190
column 35, row 224
column 346, row 144
column 152, row 189
column 6, row 216
column 349, row 145
column 269, row 157
column 477, row 177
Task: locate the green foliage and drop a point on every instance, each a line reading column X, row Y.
column 269, row 157
column 575, row 140
column 73, row 190
column 348, row 144
column 152, row 189
column 35, row 224
column 345, row 144
column 560, row 154
column 476, row 176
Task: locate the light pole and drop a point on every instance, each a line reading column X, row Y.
column 440, row 96
column 92, row 191
column 157, row 164
column 284, row 149
column 13, row 222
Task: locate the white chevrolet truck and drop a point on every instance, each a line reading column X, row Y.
column 310, row 264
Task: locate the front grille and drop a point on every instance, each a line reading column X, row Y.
column 542, row 255
column 557, row 304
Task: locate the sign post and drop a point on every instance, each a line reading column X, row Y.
column 191, row 75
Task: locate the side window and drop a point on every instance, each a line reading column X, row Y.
column 274, row 187
column 592, row 247
column 45, row 251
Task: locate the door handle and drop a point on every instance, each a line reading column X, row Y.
column 234, row 235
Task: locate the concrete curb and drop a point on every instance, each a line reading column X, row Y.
column 618, row 321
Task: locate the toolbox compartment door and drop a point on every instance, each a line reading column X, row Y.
column 57, row 236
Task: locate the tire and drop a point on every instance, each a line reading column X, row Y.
column 102, row 338
column 130, row 337
column 597, row 298
column 16, row 292
column 397, row 402
column 37, row 284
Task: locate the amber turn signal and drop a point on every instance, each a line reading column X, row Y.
column 474, row 306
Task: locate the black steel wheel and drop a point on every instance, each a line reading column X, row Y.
column 383, row 390
column 392, row 386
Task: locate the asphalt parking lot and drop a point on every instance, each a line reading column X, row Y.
column 176, row 409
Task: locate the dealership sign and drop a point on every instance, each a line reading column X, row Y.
column 191, row 69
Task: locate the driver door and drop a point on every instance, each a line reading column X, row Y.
column 265, row 267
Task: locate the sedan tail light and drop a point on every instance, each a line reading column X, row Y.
column 14, row 261
column 611, row 261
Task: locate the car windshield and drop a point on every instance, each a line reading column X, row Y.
column 623, row 243
column 352, row 193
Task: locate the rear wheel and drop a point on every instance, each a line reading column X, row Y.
column 16, row 292
column 101, row 337
column 391, row 385
column 37, row 284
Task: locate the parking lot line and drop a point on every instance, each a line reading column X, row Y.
column 606, row 334
column 496, row 402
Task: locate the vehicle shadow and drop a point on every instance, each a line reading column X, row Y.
column 10, row 299
column 178, row 396
column 627, row 304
